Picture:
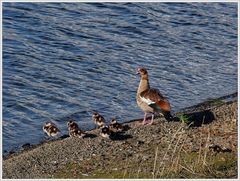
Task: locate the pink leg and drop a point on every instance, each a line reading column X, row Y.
column 151, row 123
column 144, row 118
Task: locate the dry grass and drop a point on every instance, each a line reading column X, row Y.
column 174, row 162
column 201, row 164
column 184, row 153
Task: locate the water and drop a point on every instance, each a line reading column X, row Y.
column 64, row 60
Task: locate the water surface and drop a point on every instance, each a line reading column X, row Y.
column 64, row 60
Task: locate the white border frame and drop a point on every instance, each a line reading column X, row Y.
column 119, row 1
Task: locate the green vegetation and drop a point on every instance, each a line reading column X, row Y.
column 160, row 151
column 215, row 102
column 185, row 119
column 202, row 164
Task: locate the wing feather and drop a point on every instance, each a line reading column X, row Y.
column 153, row 96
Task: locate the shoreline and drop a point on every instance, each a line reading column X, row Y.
column 88, row 157
column 208, row 102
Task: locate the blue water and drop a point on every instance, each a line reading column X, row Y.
column 64, row 60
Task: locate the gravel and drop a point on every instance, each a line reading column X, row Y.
column 137, row 143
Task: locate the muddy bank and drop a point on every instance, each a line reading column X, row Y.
column 203, row 144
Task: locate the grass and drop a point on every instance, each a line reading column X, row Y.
column 185, row 119
column 182, row 165
column 173, row 160
column 200, row 164
column 215, row 102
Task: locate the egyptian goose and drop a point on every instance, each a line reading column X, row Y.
column 50, row 129
column 150, row 100
column 105, row 131
column 115, row 126
column 98, row 119
column 74, row 130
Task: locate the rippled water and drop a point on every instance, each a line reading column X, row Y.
column 64, row 60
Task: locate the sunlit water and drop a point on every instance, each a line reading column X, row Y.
column 64, row 60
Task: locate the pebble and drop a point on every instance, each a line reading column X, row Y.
column 138, row 147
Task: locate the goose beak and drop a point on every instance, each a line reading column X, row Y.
column 137, row 72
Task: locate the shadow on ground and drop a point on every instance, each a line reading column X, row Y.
column 120, row 136
column 196, row 119
column 89, row 135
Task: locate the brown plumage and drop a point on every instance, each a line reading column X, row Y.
column 155, row 96
column 72, row 125
column 115, row 126
column 150, row 100
column 77, row 133
column 105, row 132
column 50, row 129
column 98, row 119
column 74, row 130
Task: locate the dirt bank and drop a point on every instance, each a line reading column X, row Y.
column 183, row 149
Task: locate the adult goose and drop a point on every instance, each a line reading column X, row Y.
column 150, row 100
